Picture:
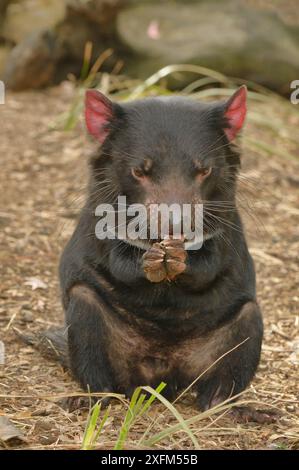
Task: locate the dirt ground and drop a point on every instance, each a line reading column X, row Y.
column 42, row 178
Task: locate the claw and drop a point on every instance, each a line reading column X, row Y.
column 157, row 276
column 247, row 414
column 164, row 260
column 176, row 253
column 174, row 268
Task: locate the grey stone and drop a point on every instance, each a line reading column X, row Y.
column 228, row 36
column 31, row 64
column 46, row 57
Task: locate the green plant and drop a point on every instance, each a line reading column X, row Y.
column 138, row 406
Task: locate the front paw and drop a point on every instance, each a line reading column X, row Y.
column 175, row 257
column 165, row 260
column 247, row 414
column 153, row 263
column 72, row 404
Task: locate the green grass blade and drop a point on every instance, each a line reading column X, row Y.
column 135, row 410
column 169, row 69
column 211, row 92
column 152, row 398
column 129, row 418
column 91, row 426
column 86, row 60
column 182, row 423
column 101, row 425
column 220, row 408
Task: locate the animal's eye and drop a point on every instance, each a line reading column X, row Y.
column 142, row 170
column 202, row 172
column 137, row 172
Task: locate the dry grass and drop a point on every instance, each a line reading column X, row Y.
column 43, row 174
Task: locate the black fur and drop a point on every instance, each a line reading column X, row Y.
column 125, row 331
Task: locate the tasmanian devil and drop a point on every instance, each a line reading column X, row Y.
column 139, row 312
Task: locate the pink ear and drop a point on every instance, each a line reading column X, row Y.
column 98, row 113
column 235, row 112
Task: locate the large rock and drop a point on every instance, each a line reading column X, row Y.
column 5, row 47
column 27, row 16
column 3, row 7
column 101, row 12
column 4, row 54
column 47, row 56
column 228, row 36
column 91, row 20
column 31, row 64
column 236, row 37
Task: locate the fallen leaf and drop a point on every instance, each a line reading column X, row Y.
column 35, row 283
column 9, row 432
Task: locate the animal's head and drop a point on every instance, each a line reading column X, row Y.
column 166, row 150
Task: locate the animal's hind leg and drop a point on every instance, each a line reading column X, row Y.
column 88, row 359
column 232, row 374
